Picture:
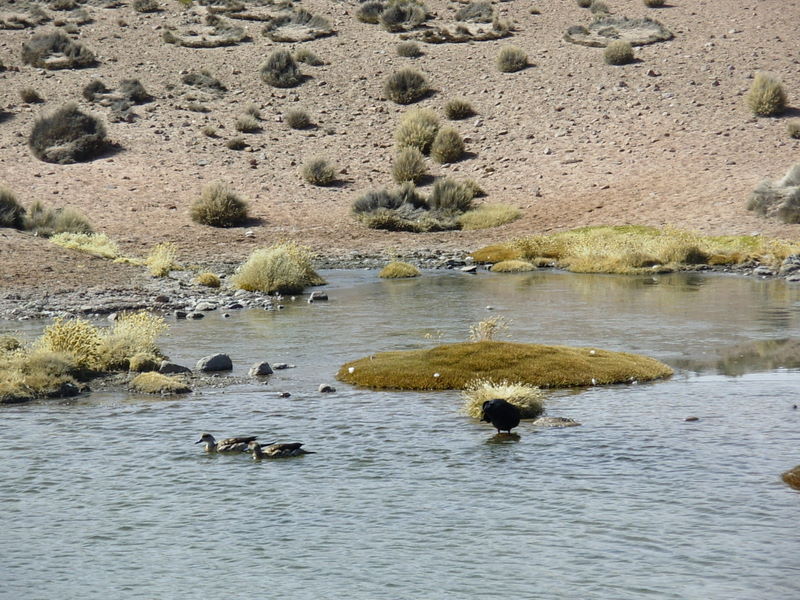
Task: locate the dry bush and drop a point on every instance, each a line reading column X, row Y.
column 247, row 124
column 406, row 86
column 96, row 244
column 654, row 3
column 408, row 50
column 511, row 59
column 204, row 80
column 451, row 196
column 280, row 70
column 370, row 12
column 132, row 334
column 529, row 399
column 476, row 12
column 448, row 146
column 299, row 25
column 297, row 119
column 29, row 374
column 399, row 270
column 68, row 135
column 11, row 212
column 76, row 338
column 512, row 266
column 306, row 56
column 208, row 280
column 144, row 362
column 318, row 171
column 283, row 268
column 584, row 3
column 488, row 330
column 146, row 6
column 209, row 131
column 599, row 9
column 156, row 383
column 457, row 109
column 402, row 15
column 409, row 165
column 766, row 97
column 56, row 50
column 162, row 259
column 219, row 206
column 417, row 129
column 236, row 143
column 45, row 221
column 30, row 96
column 793, row 128
column 779, row 199
column 488, row 215
column 133, row 91
column 618, row 52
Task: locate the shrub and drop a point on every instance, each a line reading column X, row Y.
column 377, row 200
column 402, row 15
column 599, row 8
column 793, row 127
column 49, row 221
column 297, row 119
column 766, row 97
column 93, row 89
column 528, row 398
column 584, row 3
column 77, row 338
column 280, row 70
column 219, row 206
column 488, row 215
column 35, row 374
column 236, row 143
column 132, row 334
column 67, row 135
column 417, row 129
column 284, row 268
column 495, row 253
column 476, row 12
column 654, row 3
column 406, row 86
column 306, row 56
column 203, row 80
column 156, row 383
column 133, row 91
column 370, row 12
column 512, row 266
column 458, row 108
column 56, row 51
column 144, row 362
column 409, row 165
column 780, row 199
column 618, row 52
column 96, row 244
column 450, row 196
column 11, row 212
column 511, row 59
column 398, row 270
column 208, row 280
column 247, row 124
column 30, row 96
column 209, row 131
column 488, row 329
column 146, row 6
column 161, row 259
column 408, row 49
column 448, row 146
column 318, row 171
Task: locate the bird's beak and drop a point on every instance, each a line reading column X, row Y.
column 198, row 441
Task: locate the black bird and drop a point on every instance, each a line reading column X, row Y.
column 503, row 415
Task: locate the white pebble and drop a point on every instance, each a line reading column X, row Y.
column 351, row 369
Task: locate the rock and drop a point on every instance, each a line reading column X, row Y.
column 470, row 269
column 234, row 306
column 555, row 422
column 324, row 388
column 161, row 299
column 205, row 306
column 170, row 368
column 317, row 297
column 281, row 366
column 691, row 419
column 215, row 362
column 195, row 315
column 180, row 314
column 260, row 369
column 763, row 271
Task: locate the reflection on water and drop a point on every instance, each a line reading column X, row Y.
column 408, row 498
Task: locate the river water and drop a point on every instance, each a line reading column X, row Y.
column 405, row 497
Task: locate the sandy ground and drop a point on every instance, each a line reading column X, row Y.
column 571, row 141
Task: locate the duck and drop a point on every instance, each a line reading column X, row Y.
column 261, row 451
column 232, row 444
column 503, row 415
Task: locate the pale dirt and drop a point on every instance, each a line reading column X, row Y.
column 571, row 141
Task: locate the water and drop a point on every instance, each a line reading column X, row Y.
column 406, row 498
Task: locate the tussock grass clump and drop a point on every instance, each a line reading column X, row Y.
column 584, row 3
column 486, row 216
column 132, row 334
column 306, row 56
column 133, row 91
column 156, row 383
column 399, row 270
column 488, row 330
column 496, row 253
column 219, row 206
column 529, row 399
column 654, row 3
column 417, row 129
column 409, row 165
column 370, row 12
column 513, row 266
column 29, row 374
column 284, row 268
column 208, row 280
column 214, row 33
column 96, row 244
column 56, row 50
column 449, row 195
column 298, row 25
column 447, row 146
column 236, row 143
column 94, row 88
column 530, row 364
column 67, row 136
column 247, row 124
column 457, row 109
column 599, row 9
column 778, row 199
column 511, row 59
column 618, row 52
column 162, row 259
column 406, row 86
column 204, row 80
column 766, row 97
column 476, row 12
column 76, row 338
column 12, row 214
column 402, row 15
column 144, row 362
column 30, row 96
column 793, row 128
column 297, row 119
column 146, row 6
column 280, row 70
column 209, row 131
column 318, row 171
column 408, row 50
column 46, row 221
column 253, row 109
column 792, row 477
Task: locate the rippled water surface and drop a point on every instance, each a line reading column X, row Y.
column 406, row 498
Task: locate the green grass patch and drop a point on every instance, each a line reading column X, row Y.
column 284, row 268
column 454, row 366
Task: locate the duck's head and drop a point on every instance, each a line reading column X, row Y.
column 206, row 438
column 253, row 446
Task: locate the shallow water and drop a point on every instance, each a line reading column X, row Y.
column 406, row 498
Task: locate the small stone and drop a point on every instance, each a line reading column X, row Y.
column 317, row 297
column 195, row 315
column 179, row 314
column 161, row 299
column 205, row 306
column 691, row 419
column 281, row 366
column 260, row 369
column 324, row 388
column 215, row 362
column 470, row 269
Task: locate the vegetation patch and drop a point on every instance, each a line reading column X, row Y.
column 156, row 383
column 297, row 26
column 208, row 280
column 476, row 12
column 211, row 31
column 512, row 266
column 283, row 268
column 27, row 374
column 318, row 171
column 460, row 32
column 409, row 165
column 280, row 70
column 399, row 270
column 529, row 399
column 306, row 56
column 603, row 31
column 46, row 221
column 458, row 108
column 67, row 136
column 417, row 129
column 766, row 97
column 12, row 214
column 162, row 259
column 408, row 50
column 23, row 18
column 297, row 119
column 56, row 50
column 406, row 86
column 454, row 366
column 447, row 146
column 618, row 52
column 402, row 15
column 778, row 199
column 496, row 253
column 219, row 206
column 205, row 81
column 487, row 216
column 96, row 244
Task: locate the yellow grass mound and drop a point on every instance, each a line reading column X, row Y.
column 792, row 477
column 454, row 366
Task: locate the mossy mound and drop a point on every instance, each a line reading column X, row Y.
column 156, row 383
column 495, row 253
column 461, row 32
column 453, row 366
column 513, row 266
column 792, row 477
column 638, row 32
column 398, row 270
column 211, row 32
column 297, row 26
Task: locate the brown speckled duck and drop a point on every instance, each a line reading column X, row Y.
column 276, row 450
column 233, row 444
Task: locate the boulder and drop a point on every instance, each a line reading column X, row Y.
column 215, row 362
column 260, row 369
column 169, row 368
column 324, row 388
column 205, row 306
